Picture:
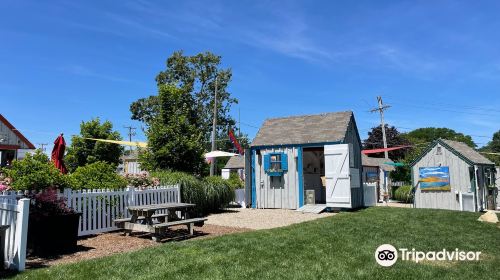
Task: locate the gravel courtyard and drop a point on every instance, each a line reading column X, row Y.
column 261, row 218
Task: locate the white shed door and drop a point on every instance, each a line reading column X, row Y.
column 338, row 181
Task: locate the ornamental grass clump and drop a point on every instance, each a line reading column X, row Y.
column 210, row 194
column 404, row 194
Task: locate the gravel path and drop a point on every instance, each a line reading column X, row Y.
column 261, row 218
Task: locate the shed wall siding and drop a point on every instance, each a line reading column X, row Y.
column 273, row 193
column 352, row 137
column 459, row 180
column 10, row 138
column 497, row 183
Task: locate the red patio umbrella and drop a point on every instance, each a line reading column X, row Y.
column 58, row 154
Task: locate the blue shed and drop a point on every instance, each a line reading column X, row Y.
column 314, row 155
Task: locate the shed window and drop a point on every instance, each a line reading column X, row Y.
column 275, row 164
column 439, row 151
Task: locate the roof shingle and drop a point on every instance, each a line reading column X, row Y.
column 378, row 162
column 236, row 162
column 321, row 128
column 467, row 152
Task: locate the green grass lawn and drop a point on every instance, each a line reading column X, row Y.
column 338, row 247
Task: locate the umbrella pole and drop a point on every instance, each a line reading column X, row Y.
column 212, row 163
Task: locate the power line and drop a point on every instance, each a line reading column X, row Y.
column 466, row 107
column 444, row 109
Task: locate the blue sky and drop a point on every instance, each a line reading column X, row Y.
column 437, row 63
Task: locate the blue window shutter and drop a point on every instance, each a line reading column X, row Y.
column 284, row 162
column 267, row 162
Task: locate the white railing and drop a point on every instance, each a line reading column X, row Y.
column 239, row 197
column 14, row 214
column 100, row 207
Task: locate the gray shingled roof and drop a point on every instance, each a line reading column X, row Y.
column 236, row 162
column 467, row 152
column 322, row 128
column 371, row 161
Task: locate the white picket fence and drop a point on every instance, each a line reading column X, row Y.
column 14, row 213
column 100, row 207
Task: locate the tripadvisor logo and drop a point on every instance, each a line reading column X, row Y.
column 386, row 255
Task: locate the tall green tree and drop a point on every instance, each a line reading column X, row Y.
column 493, row 147
column 420, row 139
column 394, row 138
column 83, row 151
column 173, row 137
column 429, row 134
column 197, row 76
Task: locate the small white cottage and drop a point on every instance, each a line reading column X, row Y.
column 452, row 175
column 376, row 172
column 13, row 144
column 236, row 165
column 317, row 155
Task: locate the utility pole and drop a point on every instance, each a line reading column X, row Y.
column 381, row 108
column 214, row 129
column 131, row 132
column 42, row 146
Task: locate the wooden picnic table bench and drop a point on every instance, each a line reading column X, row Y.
column 142, row 219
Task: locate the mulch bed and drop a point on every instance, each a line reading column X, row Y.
column 106, row 244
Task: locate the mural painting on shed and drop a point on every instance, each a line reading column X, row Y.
column 451, row 175
column 314, row 154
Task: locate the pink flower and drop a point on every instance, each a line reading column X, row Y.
column 4, row 188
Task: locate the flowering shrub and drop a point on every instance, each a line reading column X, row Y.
column 5, row 183
column 47, row 203
column 141, row 180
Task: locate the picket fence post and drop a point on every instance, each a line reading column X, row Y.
column 22, row 233
column 179, row 193
column 131, row 195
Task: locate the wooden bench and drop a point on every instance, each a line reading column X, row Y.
column 118, row 222
column 161, row 228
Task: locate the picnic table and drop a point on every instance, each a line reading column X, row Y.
column 143, row 216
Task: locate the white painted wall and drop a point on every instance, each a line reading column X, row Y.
column 225, row 173
column 459, row 181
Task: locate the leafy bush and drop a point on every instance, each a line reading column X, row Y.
column 35, row 172
column 210, row 194
column 235, row 182
column 97, row 175
column 404, row 194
